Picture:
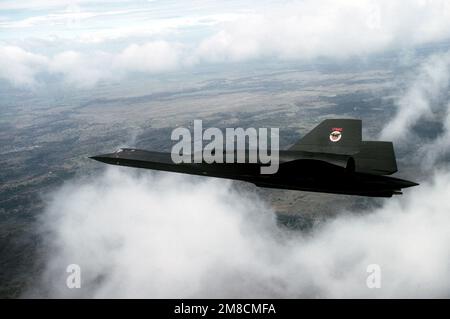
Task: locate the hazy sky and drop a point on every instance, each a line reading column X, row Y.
column 89, row 41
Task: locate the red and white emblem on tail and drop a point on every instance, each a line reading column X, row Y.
column 336, row 134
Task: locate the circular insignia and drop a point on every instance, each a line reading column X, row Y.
column 335, row 136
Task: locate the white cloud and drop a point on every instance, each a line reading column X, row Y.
column 421, row 97
column 175, row 237
column 439, row 148
column 294, row 30
column 51, row 4
column 85, row 70
column 19, row 66
column 81, row 70
column 425, row 98
column 153, row 57
column 97, row 22
column 329, row 28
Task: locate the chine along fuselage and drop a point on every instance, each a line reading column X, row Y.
column 332, row 158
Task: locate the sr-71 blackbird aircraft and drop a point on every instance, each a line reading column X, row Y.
column 332, row 158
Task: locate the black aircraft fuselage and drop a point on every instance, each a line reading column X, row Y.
column 301, row 174
column 332, row 158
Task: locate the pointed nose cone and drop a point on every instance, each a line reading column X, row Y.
column 97, row 158
column 104, row 158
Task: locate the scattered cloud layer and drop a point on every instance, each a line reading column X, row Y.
column 335, row 29
column 19, row 66
column 153, row 39
column 168, row 236
column 83, row 70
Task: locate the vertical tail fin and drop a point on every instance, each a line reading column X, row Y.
column 337, row 136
